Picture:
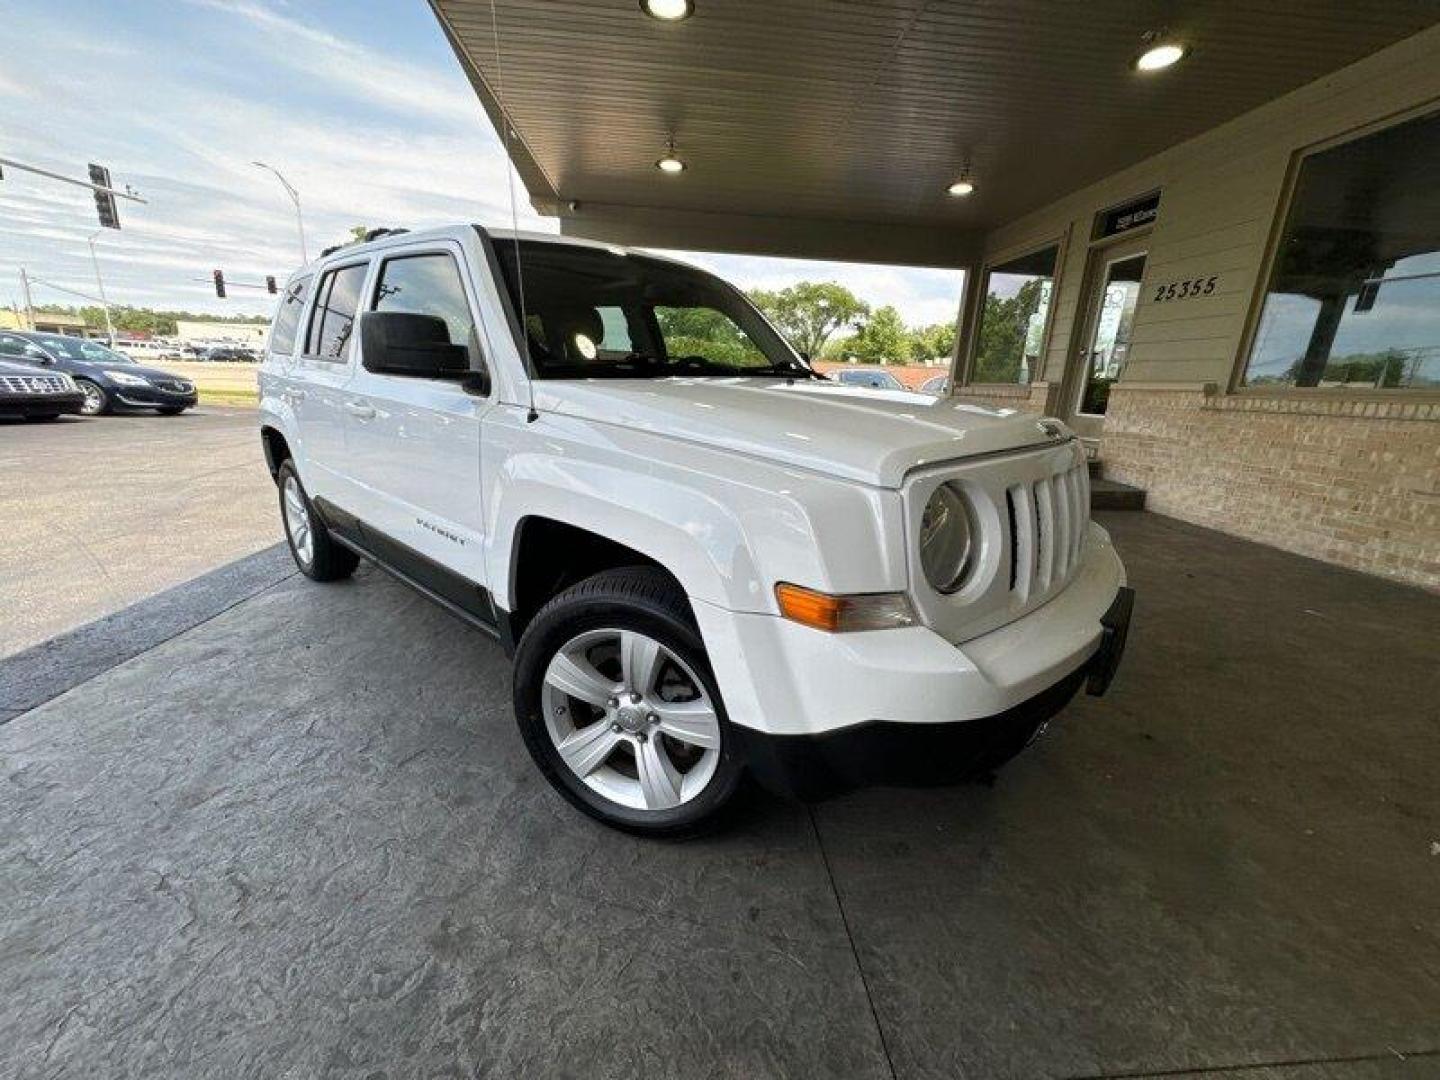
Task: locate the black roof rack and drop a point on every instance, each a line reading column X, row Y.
column 370, row 234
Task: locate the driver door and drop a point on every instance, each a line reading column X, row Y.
column 413, row 443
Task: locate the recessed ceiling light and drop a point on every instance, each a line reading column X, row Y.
column 668, row 10
column 1160, row 56
column 962, row 187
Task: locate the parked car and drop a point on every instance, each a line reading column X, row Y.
column 875, row 378
column 144, row 350
column 29, row 391
column 940, row 385
column 107, row 378
column 229, row 354
column 702, row 559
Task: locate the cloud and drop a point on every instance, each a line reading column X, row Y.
column 362, row 107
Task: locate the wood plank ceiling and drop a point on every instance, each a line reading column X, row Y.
column 864, row 110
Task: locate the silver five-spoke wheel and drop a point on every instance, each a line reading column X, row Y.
column 297, row 522
column 631, row 719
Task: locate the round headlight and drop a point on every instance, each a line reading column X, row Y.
column 945, row 540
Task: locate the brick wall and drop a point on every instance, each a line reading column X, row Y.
column 1352, row 482
column 1034, row 398
column 912, row 375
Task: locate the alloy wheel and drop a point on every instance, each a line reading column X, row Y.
column 297, row 522
column 94, row 398
column 631, row 719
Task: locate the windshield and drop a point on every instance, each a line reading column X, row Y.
column 593, row 313
column 73, row 348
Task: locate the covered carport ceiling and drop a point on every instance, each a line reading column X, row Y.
column 831, row 128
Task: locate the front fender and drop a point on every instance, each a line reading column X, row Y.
column 728, row 526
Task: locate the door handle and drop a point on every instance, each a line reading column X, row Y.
column 360, row 410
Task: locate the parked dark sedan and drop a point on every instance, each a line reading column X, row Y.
column 36, row 394
column 106, row 378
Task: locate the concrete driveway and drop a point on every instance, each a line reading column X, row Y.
column 101, row 512
column 295, row 834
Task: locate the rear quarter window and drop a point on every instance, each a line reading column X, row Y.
column 287, row 316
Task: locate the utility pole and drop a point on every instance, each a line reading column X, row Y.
column 29, row 307
column 295, row 198
column 100, row 284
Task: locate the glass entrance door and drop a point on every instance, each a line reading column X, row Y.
column 1110, row 336
column 1110, row 325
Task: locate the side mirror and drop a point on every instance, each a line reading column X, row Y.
column 403, row 343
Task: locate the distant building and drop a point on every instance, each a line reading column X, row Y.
column 250, row 333
column 45, row 322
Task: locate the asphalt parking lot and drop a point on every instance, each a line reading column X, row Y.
column 258, row 827
column 101, row 512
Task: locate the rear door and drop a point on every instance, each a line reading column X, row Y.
column 414, row 443
column 322, row 376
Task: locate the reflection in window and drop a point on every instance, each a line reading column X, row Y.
column 1012, row 322
column 708, row 334
column 287, row 319
column 334, row 316
column 1354, row 299
column 427, row 285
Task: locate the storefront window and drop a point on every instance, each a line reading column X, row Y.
column 1011, row 334
column 1354, row 298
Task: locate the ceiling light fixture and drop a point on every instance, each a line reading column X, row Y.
column 668, row 10
column 670, row 163
column 964, row 186
column 1159, row 52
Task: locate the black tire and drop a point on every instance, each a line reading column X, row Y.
column 172, row 410
column 647, row 600
column 329, row 560
column 97, row 401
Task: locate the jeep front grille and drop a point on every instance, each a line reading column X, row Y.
column 1032, row 512
column 1047, row 519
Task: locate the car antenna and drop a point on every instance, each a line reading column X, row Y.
column 531, row 415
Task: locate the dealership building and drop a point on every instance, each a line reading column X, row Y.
column 1218, row 232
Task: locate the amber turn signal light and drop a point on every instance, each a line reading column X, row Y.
column 845, row 613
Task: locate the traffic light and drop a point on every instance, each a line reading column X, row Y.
column 270, row 284
column 220, row 284
column 104, row 202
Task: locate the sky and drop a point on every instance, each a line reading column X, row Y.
column 362, row 106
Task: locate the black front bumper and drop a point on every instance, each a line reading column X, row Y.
column 40, row 404
column 153, row 397
column 924, row 755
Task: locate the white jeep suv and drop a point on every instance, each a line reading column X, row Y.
column 705, row 558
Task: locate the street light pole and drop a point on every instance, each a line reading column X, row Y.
column 100, row 284
column 295, row 198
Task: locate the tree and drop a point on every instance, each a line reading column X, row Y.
column 811, row 312
column 882, row 340
column 1004, row 326
column 930, row 343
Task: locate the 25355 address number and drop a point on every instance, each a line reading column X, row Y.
column 1179, row 290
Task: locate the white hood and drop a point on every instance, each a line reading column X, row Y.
column 872, row 436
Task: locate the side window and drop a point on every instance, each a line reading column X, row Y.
column 287, row 318
column 13, row 346
column 334, row 318
column 428, row 285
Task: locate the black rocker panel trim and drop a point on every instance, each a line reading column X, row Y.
column 459, row 596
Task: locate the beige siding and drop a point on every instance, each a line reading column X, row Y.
column 1219, row 196
column 1342, row 478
